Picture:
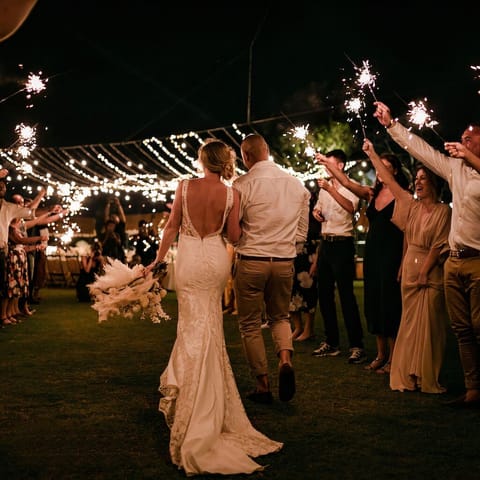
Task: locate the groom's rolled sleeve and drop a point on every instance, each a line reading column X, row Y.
column 302, row 228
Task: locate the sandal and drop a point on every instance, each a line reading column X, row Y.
column 376, row 364
column 384, row 369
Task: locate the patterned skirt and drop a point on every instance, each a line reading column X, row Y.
column 17, row 272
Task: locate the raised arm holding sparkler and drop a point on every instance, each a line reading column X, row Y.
column 361, row 191
column 459, row 150
column 462, row 269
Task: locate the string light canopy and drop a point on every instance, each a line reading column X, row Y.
column 151, row 167
column 143, row 172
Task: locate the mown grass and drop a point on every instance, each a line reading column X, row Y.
column 78, row 400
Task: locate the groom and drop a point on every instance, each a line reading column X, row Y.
column 274, row 215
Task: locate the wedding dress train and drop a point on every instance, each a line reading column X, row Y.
column 210, row 431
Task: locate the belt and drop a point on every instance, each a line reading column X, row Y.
column 335, row 238
column 263, row 259
column 465, row 252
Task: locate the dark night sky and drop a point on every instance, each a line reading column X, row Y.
column 127, row 70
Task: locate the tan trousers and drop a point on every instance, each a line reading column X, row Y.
column 462, row 294
column 259, row 286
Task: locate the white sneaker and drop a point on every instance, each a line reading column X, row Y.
column 326, row 350
column 357, row 355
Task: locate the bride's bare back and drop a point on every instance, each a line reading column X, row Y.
column 206, row 203
column 205, row 206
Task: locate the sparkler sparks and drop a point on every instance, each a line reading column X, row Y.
column 365, row 78
column 354, row 105
column 301, row 151
column 310, row 151
column 35, row 84
column 355, row 92
column 301, row 133
column 419, row 115
column 26, row 139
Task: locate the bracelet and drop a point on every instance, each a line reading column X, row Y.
column 391, row 124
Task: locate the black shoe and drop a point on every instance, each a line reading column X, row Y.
column 286, row 383
column 261, row 397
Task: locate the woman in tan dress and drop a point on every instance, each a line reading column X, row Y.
column 420, row 345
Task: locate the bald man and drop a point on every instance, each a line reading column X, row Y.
column 274, row 213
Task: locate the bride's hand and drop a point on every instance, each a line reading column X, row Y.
column 152, row 266
column 148, row 269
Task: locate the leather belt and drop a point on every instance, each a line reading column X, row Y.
column 465, row 252
column 335, row 238
column 263, row 259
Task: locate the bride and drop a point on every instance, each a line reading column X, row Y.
column 209, row 429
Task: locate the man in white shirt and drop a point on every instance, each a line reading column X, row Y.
column 461, row 169
column 335, row 209
column 274, row 212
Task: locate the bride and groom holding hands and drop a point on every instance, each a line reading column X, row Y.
column 265, row 215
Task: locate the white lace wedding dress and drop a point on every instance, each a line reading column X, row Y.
column 210, row 431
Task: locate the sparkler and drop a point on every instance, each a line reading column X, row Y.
column 365, row 78
column 354, row 105
column 314, row 170
column 419, row 115
column 34, row 84
column 26, row 139
column 301, row 133
column 355, row 102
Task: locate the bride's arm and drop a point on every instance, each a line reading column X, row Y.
column 171, row 228
column 233, row 220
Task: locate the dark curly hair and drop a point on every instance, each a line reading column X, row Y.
column 399, row 174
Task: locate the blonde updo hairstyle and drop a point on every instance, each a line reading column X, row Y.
column 217, row 157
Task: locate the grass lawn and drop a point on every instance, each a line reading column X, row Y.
column 78, row 400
